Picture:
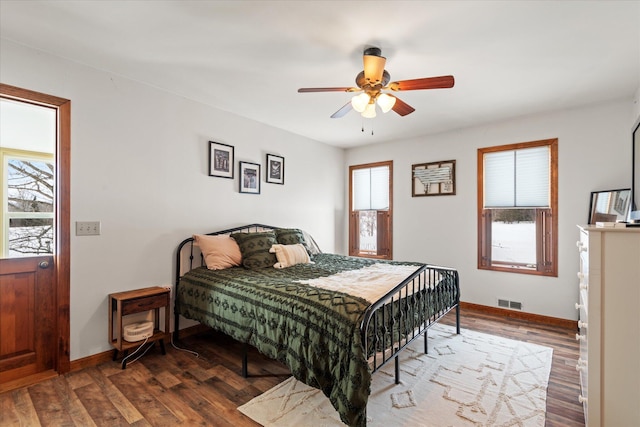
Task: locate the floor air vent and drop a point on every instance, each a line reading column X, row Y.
column 515, row 305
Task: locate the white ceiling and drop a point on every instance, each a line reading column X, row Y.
column 509, row 58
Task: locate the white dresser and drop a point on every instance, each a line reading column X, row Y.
column 609, row 325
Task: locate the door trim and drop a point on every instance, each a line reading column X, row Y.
column 62, row 256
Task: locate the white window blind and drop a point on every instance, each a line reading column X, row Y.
column 517, row 178
column 371, row 188
column 499, row 183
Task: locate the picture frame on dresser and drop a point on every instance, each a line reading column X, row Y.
column 634, row 212
column 609, row 205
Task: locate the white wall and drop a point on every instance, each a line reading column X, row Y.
column 139, row 160
column 636, row 106
column 594, row 154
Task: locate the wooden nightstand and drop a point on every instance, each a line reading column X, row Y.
column 137, row 301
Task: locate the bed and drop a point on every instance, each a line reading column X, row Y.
column 333, row 320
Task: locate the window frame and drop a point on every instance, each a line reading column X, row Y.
column 384, row 218
column 7, row 154
column 546, row 218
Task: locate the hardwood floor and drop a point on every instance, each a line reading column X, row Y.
column 181, row 389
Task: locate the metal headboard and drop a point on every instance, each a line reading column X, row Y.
column 187, row 253
column 185, row 256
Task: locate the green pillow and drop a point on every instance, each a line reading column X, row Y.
column 290, row 236
column 255, row 249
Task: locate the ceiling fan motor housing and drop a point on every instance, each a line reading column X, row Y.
column 362, row 82
column 373, row 51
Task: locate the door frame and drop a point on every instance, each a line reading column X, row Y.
column 62, row 256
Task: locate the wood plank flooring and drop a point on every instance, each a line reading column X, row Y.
column 180, row 389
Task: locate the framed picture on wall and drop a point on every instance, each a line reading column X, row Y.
column 433, row 179
column 249, row 178
column 220, row 160
column 275, row 169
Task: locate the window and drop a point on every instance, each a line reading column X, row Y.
column 518, row 208
column 27, row 207
column 27, row 143
column 370, row 212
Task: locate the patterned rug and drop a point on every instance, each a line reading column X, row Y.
column 471, row 379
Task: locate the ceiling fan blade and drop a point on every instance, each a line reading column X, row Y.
column 327, row 89
column 401, row 107
column 442, row 82
column 342, row 111
column 373, row 68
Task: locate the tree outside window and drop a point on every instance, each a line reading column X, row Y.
column 370, row 212
column 28, row 211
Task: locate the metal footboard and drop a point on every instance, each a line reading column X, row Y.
column 406, row 312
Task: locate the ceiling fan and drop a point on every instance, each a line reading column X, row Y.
column 372, row 81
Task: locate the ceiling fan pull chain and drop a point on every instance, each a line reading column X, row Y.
column 362, row 129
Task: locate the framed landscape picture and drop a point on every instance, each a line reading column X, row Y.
column 220, row 160
column 249, row 178
column 275, row 169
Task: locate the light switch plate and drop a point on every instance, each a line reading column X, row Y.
column 87, row 228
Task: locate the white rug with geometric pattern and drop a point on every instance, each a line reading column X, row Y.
column 471, row 379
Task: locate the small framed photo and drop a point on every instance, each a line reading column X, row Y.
column 220, row 160
column 275, row 169
column 249, row 178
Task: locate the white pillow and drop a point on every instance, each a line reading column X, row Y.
column 289, row 255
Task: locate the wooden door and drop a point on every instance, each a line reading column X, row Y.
column 28, row 321
column 34, row 287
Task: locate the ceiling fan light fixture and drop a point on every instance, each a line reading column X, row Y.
column 360, row 102
column 370, row 111
column 386, row 102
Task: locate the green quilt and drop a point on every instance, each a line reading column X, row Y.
column 315, row 332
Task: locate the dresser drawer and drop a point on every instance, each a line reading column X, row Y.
column 137, row 305
column 582, row 365
column 583, row 249
column 584, row 305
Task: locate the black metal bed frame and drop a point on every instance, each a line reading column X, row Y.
column 391, row 323
column 394, row 320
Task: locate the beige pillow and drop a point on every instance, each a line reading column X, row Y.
column 219, row 252
column 289, row 255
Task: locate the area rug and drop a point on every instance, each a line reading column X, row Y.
column 471, row 379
